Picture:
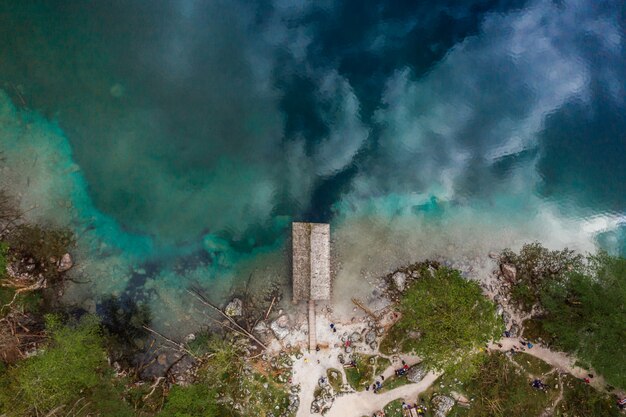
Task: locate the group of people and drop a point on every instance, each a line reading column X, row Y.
column 403, row 370
column 413, row 410
column 538, row 384
column 420, row 410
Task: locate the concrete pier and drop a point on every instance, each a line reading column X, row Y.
column 311, row 268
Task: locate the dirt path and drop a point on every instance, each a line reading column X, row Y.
column 366, row 402
column 307, row 373
column 559, row 360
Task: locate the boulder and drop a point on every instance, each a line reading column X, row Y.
column 509, row 271
column 66, row 263
column 399, row 280
column 416, row 373
column 442, row 404
column 162, row 359
column 279, row 327
column 355, row 337
column 234, row 308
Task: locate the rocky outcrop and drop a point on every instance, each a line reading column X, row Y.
column 416, row 373
column 509, row 271
column 442, row 405
column 323, row 401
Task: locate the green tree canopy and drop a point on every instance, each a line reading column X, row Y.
column 72, row 368
column 451, row 315
column 587, row 315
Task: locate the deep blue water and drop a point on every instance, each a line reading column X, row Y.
column 180, row 138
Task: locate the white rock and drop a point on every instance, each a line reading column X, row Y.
column 279, row 327
column 442, row 405
column 66, row 263
column 399, row 280
column 234, row 308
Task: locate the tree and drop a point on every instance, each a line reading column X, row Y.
column 72, row 368
column 451, row 315
column 587, row 315
column 581, row 304
column 537, row 266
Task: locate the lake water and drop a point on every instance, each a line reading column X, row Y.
column 179, row 139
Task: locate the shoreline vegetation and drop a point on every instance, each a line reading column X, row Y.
column 455, row 347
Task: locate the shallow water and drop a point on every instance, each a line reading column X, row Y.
column 178, row 139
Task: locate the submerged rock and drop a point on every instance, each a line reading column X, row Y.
column 66, row 263
column 234, row 308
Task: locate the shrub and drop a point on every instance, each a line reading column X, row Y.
column 196, row 400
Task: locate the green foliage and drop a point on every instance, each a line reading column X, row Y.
column 537, row 265
column 200, row 345
column 233, row 379
column 583, row 300
column 532, row 365
column 367, row 366
column 587, row 315
column 452, row 316
column 501, row 390
column 393, row 409
column 394, row 382
column 196, row 400
column 580, row 399
column 72, row 368
column 335, row 378
column 70, row 365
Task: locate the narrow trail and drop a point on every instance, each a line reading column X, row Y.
column 307, row 372
column 550, row 410
column 560, row 360
column 366, row 402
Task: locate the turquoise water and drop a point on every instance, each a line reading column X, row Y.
column 178, row 139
